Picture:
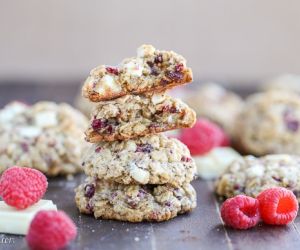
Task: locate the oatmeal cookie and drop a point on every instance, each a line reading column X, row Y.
column 134, row 203
column 150, row 71
column 269, row 124
column 251, row 175
column 154, row 159
column 45, row 136
column 134, row 116
column 217, row 104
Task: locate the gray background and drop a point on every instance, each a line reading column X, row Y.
column 231, row 41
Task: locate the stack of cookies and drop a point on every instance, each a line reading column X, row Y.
column 135, row 173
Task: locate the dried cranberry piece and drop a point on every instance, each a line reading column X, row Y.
column 90, row 207
column 168, row 204
column 164, row 82
column 150, row 64
column 114, row 195
column 141, row 193
column 175, row 76
column 98, row 149
column 112, row 70
column 238, row 187
column 144, row 148
column 89, row 190
column 98, row 124
column 154, row 71
column 153, row 126
column 25, row 147
column 186, row 159
column 179, row 67
column 291, row 123
column 169, row 109
column 158, row 58
column 82, row 164
column 131, row 202
column 109, row 129
column 276, row 178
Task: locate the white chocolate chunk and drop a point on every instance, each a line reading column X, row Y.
column 158, row 98
column 134, row 68
column 140, row 175
column 255, row 171
column 29, row 131
column 145, row 50
column 211, row 165
column 107, row 83
column 15, row 221
column 170, row 119
column 11, row 110
column 46, row 119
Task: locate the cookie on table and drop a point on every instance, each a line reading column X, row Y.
column 150, row 71
column 154, row 159
column 134, row 203
column 251, row 175
column 45, row 136
column 286, row 82
column 270, row 124
column 217, row 104
column 134, row 116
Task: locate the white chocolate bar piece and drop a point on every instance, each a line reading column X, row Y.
column 14, row 221
column 212, row 165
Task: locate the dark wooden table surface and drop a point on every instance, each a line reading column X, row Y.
column 201, row 229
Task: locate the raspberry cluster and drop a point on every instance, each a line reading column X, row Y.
column 274, row 206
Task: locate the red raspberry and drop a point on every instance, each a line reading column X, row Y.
column 240, row 212
column 278, row 206
column 203, row 137
column 50, row 230
column 22, row 187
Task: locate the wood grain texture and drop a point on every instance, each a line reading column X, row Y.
column 201, row 229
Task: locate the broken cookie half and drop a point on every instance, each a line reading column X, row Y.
column 150, row 71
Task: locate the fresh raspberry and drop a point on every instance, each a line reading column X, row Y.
column 22, row 187
column 50, row 230
column 203, row 137
column 278, row 206
column 240, row 212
